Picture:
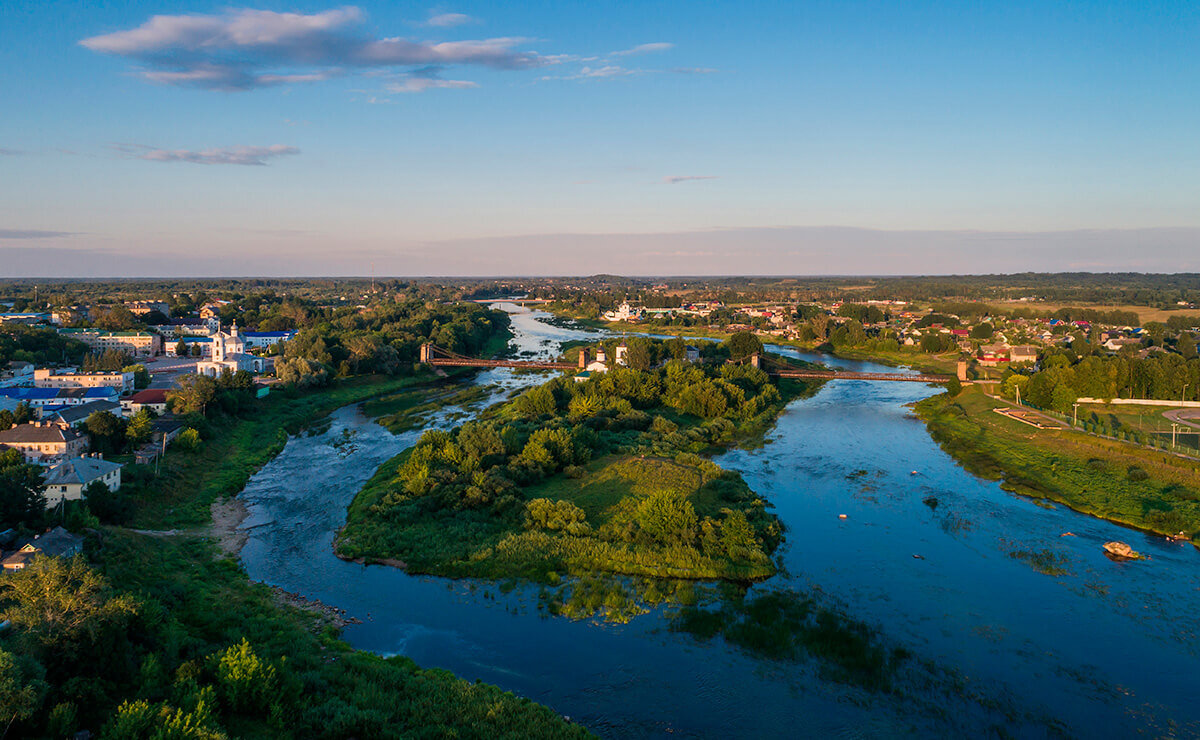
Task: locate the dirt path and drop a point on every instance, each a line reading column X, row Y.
column 227, row 516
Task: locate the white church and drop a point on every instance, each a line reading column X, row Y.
column 229, row 353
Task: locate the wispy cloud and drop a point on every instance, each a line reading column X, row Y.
column 694, row 70
column 651, row 48
column 449, row 20
column 426, row 78
column 10, row 152
column 246, row 49
column 243, row 155
column 676, row 179
column 32, row 234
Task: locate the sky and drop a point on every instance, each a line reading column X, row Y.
column 148, row 138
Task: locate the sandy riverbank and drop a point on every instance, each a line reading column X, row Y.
column 227, row 516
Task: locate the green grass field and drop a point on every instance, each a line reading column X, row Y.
column 1114, row 480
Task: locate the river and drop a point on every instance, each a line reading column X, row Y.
column 923, row 555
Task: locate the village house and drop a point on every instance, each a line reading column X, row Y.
column 1023, row 353
column 141, row 308
column 58, row 543
column 69, row 479
column 991, row 355
column 154, row 399
column 44, row 442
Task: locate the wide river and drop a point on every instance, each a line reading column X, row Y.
column 925, row 554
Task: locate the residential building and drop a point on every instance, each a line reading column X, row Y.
column 76, row 416
column 69, row 479
column 58, row 543
column 141, row 308
column 154, row 399
column 264, row 339
column 624, row 312
column 46, row 378
column 24, row 318
column 44, row 442
column 137, row 343
column 17, row 374
column 991, row 355
column 1023, row 353
column 187, row 328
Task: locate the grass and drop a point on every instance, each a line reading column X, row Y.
column 200, row 605
column 610, row 480
column 404, row 411
column 1120, row 482
column 1145, row 313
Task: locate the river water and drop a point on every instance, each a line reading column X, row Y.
column 924, row 555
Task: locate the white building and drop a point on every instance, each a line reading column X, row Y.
column 624, row 312
column 67, row 480
column 229, row 353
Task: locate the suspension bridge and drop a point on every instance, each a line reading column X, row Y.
column 436, row 356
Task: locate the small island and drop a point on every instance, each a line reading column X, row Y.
column 602, row 473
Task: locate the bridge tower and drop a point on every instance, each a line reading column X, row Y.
column 583, row 355
column 962, row 370
column 426, row 353
column 755, row 360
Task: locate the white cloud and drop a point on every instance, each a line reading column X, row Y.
column 415, row 84
column 243, row 155
column 675, row 179
column 246, row 49
column 651, row 48
column 449, row 20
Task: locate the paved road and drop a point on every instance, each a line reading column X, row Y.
column 1187, row 417
column 164, row 371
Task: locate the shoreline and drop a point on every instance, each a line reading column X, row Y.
column 227, row 516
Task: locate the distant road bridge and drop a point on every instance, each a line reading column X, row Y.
column 518, row 301
column 436, row 356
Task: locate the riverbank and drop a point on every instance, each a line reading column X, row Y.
column 920, row 361
column 1105, row 478
column 205, row 601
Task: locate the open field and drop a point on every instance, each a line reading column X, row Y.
column 1146, row 313
column 1121, row 482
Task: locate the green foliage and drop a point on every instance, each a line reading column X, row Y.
column 247, row 683
column 193, row 393
column 188, row 439
column 743, row 344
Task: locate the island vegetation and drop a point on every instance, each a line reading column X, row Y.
column 576, row 478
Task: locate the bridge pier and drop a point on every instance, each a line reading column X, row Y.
column 962, row 370
column 426, row 353
column 755, row 360
column 583, row 355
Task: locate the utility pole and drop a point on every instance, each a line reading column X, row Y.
column 1075, row 414
column 1174, row 428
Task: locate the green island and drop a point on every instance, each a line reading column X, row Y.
column 579, row 478
column 1115, row 480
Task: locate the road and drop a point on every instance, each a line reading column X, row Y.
column 164, row 371
column 1185, row 417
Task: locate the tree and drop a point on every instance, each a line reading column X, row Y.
column 743, row 344
column 181, row 349
column 21, row 694
column 982, row 330
column 141, row 427
column 141, row 376
column 194, row 393
column 1186, row 345
column 107, row 431
column 668, row 518
column 21, row 497
column 61, row 603
column 110, row 507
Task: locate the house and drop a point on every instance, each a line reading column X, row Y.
column 1119, row 343
column 77, row 416
column 177, row 328
column 43, row 442
column 142, row 308
column 24, row 318
column 18, row 374
column 53, row 398
column 69, row 479
column 138, row 343
column 154, row 399
column 1023, row 353
column 991, row 355
column 46, row 378
column 58, row 543
column 691, row 353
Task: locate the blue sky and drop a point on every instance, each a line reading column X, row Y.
column 558, row 137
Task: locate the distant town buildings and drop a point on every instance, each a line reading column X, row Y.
column 46, row 378
column 44, row 443
column 137, row 343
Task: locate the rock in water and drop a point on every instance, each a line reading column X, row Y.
column 1121, row 550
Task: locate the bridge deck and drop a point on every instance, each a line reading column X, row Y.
column 529, row 364
column 829, row 375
